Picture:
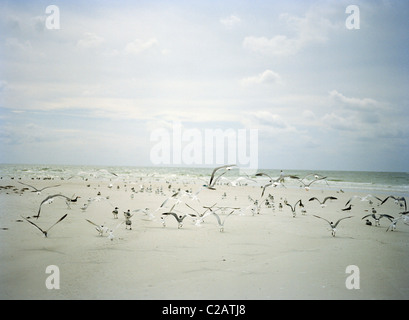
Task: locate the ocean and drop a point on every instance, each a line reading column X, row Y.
column 385, row 183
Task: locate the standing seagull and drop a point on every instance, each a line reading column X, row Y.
column 323, row 202
column 213, row 180
column 333, row 226
column 38, row 190
column 45, row 232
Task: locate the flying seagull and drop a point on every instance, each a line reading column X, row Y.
column 332, row 225
column 398, row 200
column 307, row 185
column 323, row 202
column 274, row 182
column 179, row 218
column 404, row 216
column 36, row 189
column 213, row 180
column 379, row 217
column 50, row 199
column 362, row 198
column 300, row 204
column 100, row 228
column 45, row 232
column 220, row 221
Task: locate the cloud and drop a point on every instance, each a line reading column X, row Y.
column 231, row 21
column 357, row 102
column 267, row 77
column 138, row 45
column 265, row 120
column 312, row 28
column 90, row 40
column 342, row 123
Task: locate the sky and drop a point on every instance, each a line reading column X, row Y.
column 142, row 83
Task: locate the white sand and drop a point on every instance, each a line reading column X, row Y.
column 266, row 256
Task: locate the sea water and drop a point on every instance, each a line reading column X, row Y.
column 391, row 183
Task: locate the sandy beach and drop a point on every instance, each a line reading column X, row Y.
column 270, row 255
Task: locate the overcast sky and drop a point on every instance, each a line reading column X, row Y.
column 95, row 90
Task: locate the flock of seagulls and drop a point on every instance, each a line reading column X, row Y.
column 222, row 213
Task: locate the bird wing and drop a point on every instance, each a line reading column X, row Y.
column 49, row 187
column 336, row 223
column 292, row 209
column 264, row 188
column 367, row 216
column 192, row 208
column 48, row 198
column 61, row 219
column 35, row 189
column 329, row 198
column 263, row 174
column 93, row 223
column 322, row 219
column 315, row 180
column 350, row 199
column 217, row 217
column 171, row 213
column 314, row 198
column 33, row 224
column 386, row 199
column 216, row 169
column 387, row 216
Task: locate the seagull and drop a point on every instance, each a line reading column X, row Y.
column 300, row 204
column 255, row 206
column 237, row 182
column 38, row 190
column 201, row 215
column 100, row 228
column 333, row 226
column 50, row 199
column 45, row 232
column 220, row 222
column 282, row 176
column 362, row 198
column 347, row 208
column 398, row 200
column 128, row 223
column 179, row 218
column 173, row 196
column 323, row 202
column 146, row 212
column 115, row 212
column 111, row 235
column 403, row 217
column 75, row 199
column 307, row 185
column 213, row 180
column 84, row 207
column 274, row 182
column 377, row 218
